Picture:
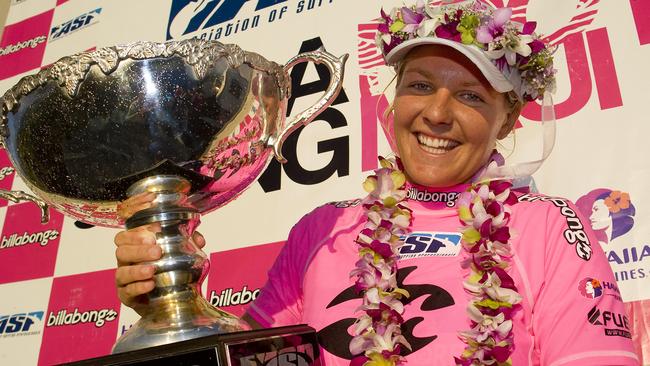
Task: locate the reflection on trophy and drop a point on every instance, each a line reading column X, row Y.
column 193, row 121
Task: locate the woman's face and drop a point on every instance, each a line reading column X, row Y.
column 599, row 217
column 447, row 117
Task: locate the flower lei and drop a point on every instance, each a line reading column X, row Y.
column 377, row 332
column 514, row 49
column 484, row 211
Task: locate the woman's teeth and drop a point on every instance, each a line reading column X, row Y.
column 436, row 145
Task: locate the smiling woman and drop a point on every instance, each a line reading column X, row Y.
column 447, row 116
column 391, row 279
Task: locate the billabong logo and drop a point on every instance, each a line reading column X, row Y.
column 575, row 233
column 448, row 198
column 436, row 244
column 99, row 317
column 20, row 324
column 336, row 339
column 229, row 298
column 301, row 355
column 13, row 48
column 6, row 171
column 16, row 240
column 75, row 24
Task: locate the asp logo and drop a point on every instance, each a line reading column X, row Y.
column 188, row 16
column 20, row 324
column 435, row 244
column 75, row 24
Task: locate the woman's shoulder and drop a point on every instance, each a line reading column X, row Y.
column 331, row 215
column 539, row 203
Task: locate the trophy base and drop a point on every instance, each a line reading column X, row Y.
column 185, row 319
column 292, row 345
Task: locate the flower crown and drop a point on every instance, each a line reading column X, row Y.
column 519, row 53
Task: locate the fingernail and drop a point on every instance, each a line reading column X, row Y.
column 154, row 252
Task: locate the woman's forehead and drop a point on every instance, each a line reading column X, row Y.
column 438, row 61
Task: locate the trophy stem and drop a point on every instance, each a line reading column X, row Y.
column 176, row 310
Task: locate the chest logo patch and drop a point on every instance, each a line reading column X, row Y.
column 430, row 244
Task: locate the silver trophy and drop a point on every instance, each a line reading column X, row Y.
column 193, row 121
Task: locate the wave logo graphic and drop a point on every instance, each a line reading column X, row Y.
column 188, row 16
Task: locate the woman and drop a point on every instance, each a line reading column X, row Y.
column 390, row 280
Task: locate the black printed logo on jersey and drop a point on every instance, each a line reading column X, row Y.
column 346, row 204
column 336, row 339
column 613, row 324
column 434, row 244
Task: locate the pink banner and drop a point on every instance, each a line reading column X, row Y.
column 82, row 318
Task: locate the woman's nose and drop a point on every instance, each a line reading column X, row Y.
column 437, row 107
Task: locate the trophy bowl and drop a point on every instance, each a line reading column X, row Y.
column 193, row 121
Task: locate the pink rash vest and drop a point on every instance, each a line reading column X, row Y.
column 571, row 313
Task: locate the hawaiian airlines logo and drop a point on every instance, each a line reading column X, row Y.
column 336, row 339
column 593, row 288
column 20, row 324
column 590, row 288
column 611, row 213
column 573, row 31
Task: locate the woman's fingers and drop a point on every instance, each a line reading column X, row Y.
column 128, row 254
column 131, row 274
column 131, row 294
column 131, row 205
column 198, row 238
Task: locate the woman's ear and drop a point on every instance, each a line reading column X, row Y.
column 511, row 118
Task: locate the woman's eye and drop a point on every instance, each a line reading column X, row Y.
column 471, row 97
column 420, row 86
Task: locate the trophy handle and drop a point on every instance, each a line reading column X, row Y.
column 17, row 196
column 336, row 66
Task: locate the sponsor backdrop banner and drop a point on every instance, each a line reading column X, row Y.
column 58, row 300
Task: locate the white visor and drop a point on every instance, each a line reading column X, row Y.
column 488, row 69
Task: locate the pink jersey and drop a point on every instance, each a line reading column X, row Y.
column 571, row 312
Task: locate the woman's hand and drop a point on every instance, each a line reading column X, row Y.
column 133, row 278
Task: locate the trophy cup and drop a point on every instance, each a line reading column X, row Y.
column 193, row 121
